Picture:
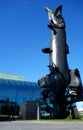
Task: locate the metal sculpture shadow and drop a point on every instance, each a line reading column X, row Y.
column 62, row 87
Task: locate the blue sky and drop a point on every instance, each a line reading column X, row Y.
column 24, row 32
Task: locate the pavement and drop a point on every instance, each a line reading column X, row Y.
column 41, row 125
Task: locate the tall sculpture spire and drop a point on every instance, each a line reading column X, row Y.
column 60, row 81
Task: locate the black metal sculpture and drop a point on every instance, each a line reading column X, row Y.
column 62, row 86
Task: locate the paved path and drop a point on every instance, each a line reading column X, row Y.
column 25, row 125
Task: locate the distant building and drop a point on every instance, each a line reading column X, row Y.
column 11, row 76
column 80, row 110
column 13, row 89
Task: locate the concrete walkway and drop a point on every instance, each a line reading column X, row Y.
column 41, row 125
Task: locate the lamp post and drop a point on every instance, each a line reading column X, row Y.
column 38, row 113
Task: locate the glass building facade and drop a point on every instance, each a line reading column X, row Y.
column 19, row 91
column 14, row 93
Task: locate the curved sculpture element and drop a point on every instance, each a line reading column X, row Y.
column 58, row 44
column 60, row 82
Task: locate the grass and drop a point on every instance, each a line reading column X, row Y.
column 2, row 115
column 53, row 120
column 69, row 119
